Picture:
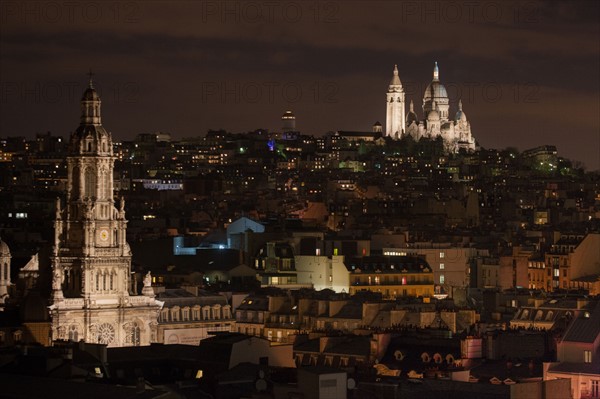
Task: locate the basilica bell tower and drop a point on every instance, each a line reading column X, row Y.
column 395, row 121
column 91, row 260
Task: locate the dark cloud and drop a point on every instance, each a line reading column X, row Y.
column 526, row 78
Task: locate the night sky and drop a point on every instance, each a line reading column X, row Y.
column 527, row 72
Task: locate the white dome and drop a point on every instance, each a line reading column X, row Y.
column 460, row 115
column 435, row 92
column 433, row 116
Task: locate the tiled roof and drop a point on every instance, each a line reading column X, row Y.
column 21, row 386
column 586, row 327
column 576, row 368
column 351, row 310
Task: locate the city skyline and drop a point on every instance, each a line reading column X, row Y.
column 527, row 75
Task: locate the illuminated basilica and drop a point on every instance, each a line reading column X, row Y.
column 436, row 122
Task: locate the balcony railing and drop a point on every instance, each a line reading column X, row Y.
column 391, row 284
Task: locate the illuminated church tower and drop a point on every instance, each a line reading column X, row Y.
column 395, row 120
column 91, row 260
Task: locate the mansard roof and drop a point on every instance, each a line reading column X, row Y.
column 388, row 264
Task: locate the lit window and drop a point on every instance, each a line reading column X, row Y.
column 442, row 255
column 587, row 356
column 441, row 266
column 442, row 279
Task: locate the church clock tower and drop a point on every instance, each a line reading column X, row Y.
column 91, row 260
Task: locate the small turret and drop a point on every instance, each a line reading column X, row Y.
column 460, row 115
column 412, row 115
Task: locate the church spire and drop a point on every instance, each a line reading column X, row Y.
column 91, row 83
column 460, row 105
column 395, row 78
column 411, row 106
column 436, row 72
column 90, row 105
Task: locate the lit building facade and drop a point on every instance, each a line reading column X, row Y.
column 392, row 276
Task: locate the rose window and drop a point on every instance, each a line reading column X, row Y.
column 106, row 333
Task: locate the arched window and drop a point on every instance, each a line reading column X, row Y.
column 90, row 182
column 112, row 276
column 75, row 279
column 227, row 312
column 98, row 281
column 104, row 281
column 89, row 146
column 73, row 335
column 538, row 315
column 75, row 179
column 196, row 313
column 175, row 313
column 135, row 334
column 164, row 315
column 67, row 279
column 105, row 184
column 549, row 315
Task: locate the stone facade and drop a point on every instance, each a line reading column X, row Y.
column 91, row 260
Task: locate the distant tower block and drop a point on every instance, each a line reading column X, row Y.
column 377, row 128
column 289, row 121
